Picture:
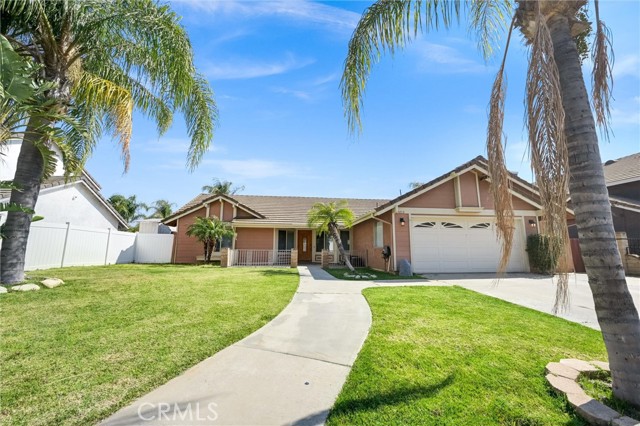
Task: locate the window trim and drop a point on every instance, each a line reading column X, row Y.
column 378, row 234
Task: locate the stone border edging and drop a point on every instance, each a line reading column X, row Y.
column 563, row 378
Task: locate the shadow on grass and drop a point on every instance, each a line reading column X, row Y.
column 397, row 396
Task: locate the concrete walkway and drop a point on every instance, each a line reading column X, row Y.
column 287, row 373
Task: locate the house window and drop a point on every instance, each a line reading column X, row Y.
column 226, row 242
column 344, row 236
column 377, row 234
column 451, row 225
column 483, row 225
column 285, row 239
column 324, row 242
column 426, row 225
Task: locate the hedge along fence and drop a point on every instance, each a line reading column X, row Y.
column 541, row 258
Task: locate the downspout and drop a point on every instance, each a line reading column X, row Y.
column 393, row 238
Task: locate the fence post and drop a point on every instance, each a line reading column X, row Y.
column 224, row 257
column 294, row 258
column 106, row 252
column 324, row 258
column 64, row 247
column 623, row 248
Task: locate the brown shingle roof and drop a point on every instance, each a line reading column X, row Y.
column 294, row 209
column 279, row 209
column 623, row 169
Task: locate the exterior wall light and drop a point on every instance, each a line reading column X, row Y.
column 402, row 222
column 532, row 223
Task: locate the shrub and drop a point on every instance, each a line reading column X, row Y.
column 541, row 258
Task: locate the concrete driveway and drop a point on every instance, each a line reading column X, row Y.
column 537, row 292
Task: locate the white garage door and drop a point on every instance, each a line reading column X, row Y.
column 461, row 244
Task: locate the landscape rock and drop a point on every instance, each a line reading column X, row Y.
column 25, row 287
column 596, row 413
column 562, row 370
column 625, row 421
column 564, row 385
column 578, row 364
column 404, row 268
column 52, row 282
column 601, row 364
column 3, row 289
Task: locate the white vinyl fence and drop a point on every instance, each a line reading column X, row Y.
column 55, row 245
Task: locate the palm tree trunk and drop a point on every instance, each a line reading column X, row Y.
column 336, row 237
column 27, row 179
column 617, row 315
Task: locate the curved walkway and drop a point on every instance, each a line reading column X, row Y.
column 289, row 372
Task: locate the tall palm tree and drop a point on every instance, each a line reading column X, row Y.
column 562, row 137
column 128, row 207
column 209, row 231
column 103, row 59
column 222, row 187
column 327, row 217
column 161, row 209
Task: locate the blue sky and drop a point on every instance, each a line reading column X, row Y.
column 275, row 68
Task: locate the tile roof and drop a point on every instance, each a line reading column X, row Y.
column 294, row 209
column 279, row 209
column 623, row 169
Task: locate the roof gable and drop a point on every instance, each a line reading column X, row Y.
column 522, row 188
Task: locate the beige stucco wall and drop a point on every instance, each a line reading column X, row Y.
column 254, row 238
column 186, row 248
column 440, row 197
column 362, row 235
column 403, row 238
column 468, row 190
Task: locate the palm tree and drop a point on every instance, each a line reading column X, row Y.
column 562, row 138
column 222, row 187
column 415, row 184
column 161, row 209
column 209, row 231
column 103, row 59
column 327, row 217
column 128, row 207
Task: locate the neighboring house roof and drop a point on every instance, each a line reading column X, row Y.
column 480, row 163
column 274, row 209
column 623, row 170
column 85, row 179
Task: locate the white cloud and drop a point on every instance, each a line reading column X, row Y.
column 173, row 146
column 622, row 117
column 440, row 58
column 627, row 65
column 244, row 69
column 253, row 168
column 334, row 18
column 300, row 94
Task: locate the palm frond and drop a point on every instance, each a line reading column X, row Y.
column 115, row 103
column 487, row 19
column 385, row 27
column 549, row 157
column 500, row 184
column 602, row 77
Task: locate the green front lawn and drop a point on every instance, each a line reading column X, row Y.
column 449, row 356
column 380, row 275
column 75, row 354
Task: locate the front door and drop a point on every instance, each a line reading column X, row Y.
column 304, row 246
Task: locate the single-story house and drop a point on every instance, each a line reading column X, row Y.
column 445, row 225
column 76, row 200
